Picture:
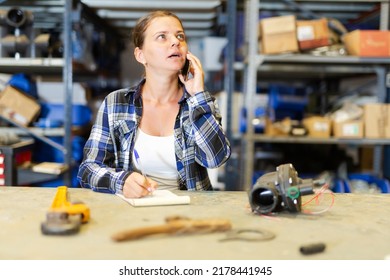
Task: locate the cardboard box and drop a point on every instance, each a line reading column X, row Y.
column 318, row 126
column 313, row 33
column 278, row 35
column 368, row 43
column 377, row 120
column 18, row 107
column 348, row 129
column 366, row 163
column 280, row 128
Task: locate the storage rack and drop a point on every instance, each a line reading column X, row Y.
column 256, row 63
column 72, row 11
column 52, row 66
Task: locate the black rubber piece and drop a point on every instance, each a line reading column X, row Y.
column 312, row 248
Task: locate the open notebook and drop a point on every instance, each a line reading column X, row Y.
column 159, row 197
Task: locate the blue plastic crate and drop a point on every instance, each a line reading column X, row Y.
column 55, row 113
column 287, row 98
column 383, row 184
column 259, row 114
column 340, row 186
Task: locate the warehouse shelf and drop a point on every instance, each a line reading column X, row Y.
column 257, row 66
column 32, row 65
column 66, row 66
column 310, row 59
column 41, row 66
column 48, row 132
column 309, row 66
column 61, row 67
column 27, row 177
column 310, row 63
column 311, row 140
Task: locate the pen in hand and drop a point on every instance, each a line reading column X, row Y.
column 137, row 158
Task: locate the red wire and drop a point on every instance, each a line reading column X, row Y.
column 324, row 189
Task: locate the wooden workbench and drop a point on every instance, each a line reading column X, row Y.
column 356, row 227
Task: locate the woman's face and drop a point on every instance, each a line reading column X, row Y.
column 165, row 45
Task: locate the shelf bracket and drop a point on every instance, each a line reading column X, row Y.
column 36, row 135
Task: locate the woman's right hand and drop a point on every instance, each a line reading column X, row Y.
column 196, row 83
column 137, row 185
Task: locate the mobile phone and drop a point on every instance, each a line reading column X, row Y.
column 185, row 71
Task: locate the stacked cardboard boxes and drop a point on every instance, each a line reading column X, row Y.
column 286, row 34
column 374, row 124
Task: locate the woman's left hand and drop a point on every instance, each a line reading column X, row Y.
column 195, row 83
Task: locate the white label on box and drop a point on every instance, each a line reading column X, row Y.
column 350, row 129
column 1, row 170
column 2, row 182
column 321, row 126
column 20, row 119
column 2, row 159
column 305, row 33
column 11, row 114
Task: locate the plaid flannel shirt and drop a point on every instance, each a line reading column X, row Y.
column 200, row 142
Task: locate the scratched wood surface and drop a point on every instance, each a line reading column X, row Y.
column 356, row 227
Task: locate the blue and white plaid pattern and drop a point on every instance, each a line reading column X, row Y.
column 200, row 142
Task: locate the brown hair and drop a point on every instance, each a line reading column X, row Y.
column 143, row 23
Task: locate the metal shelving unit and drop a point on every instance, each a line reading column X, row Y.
column 63, row 67
column 56, row 66
column 32, row 65
column 325, row 141
column 255, row 64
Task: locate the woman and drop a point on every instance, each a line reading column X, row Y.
column 164, row 132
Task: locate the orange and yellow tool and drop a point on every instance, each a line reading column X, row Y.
column 64, row 217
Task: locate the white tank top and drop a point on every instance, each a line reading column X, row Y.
column 157, row 159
